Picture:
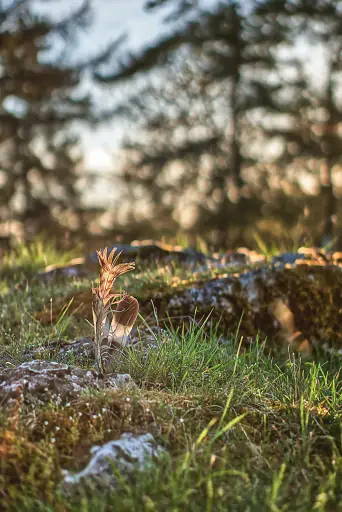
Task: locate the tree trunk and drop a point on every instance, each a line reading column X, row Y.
column 329, row 202
column 327, row 188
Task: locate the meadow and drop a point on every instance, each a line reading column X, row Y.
column 243, row 428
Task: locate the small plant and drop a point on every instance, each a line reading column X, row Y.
column 112, row 327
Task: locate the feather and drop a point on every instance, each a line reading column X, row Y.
column 110, row 271
column 111, row 327
column 123, row 320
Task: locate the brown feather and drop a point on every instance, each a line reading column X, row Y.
column 124, row 318
column 110, row 271
column 111, row 327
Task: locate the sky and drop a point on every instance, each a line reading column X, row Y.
column 113, row 18
column 101, row 145
column 118, row 17
column 110, row 20
column 124, row 16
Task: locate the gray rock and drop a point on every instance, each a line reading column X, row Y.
column 127, row 454
column 287, row 258
column 44, row 381
column 312, row 293
column 153, row 251
column 56, row 273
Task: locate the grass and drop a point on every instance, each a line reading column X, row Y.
column 30, row 257
column 243, row 431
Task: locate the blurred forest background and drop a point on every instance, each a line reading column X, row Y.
column 225, row 125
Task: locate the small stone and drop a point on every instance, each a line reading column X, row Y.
column 127, row 454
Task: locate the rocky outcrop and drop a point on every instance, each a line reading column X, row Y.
column 147, row 251
column 312, row 294
column 44, row 381
column 296, row 294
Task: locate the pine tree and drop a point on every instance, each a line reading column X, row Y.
column 223, row 71
column 248, row 54
column 313, row 132
column 40, row 98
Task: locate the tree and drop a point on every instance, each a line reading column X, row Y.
column 224, row 75
column 249, row 54
column 314, row 132
column 40, row 98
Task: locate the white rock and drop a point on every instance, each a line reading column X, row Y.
column 128, row 453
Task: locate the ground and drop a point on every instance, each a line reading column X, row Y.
column 243, row 428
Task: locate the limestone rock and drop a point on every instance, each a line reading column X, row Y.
column 310, row 289
column 127, row 454
column 75, row 269
column 42, row 381
column 312, row 293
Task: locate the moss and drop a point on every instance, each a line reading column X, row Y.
column 293, row 410
column 47, row 439
column 314, row 296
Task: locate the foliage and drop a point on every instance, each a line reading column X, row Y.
column 40, row 97
column 225, row 85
